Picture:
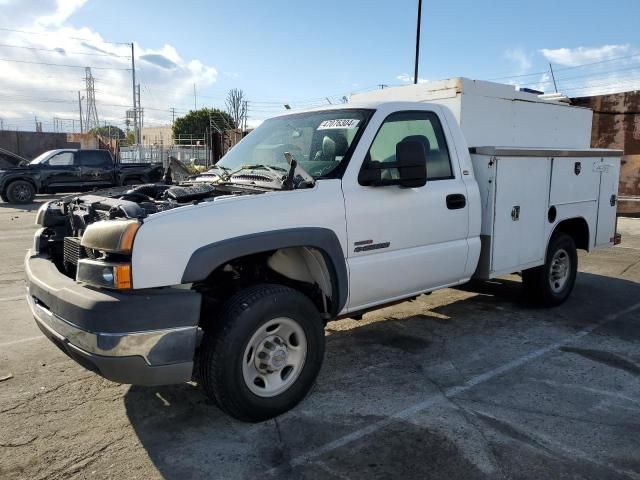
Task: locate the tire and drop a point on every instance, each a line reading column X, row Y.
column 249, row 329
column 4, row 198
column 551, row 284
column 21, row 192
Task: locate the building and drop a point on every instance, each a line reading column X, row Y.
column 616, row 124
column 157, row 135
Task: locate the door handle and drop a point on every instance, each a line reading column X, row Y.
column 456, row 201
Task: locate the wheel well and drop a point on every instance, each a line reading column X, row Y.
column 303, row 268
column 24, row 179
column 576, row 228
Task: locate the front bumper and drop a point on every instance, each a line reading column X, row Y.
column 144, row 337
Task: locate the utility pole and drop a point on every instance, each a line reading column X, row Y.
column 136, row 132
column 195, row 103
column 246, row 112
column 80, row 109
column 415, row 71
column 140, row 118
column 382, row 86
column 1, row 124
column 553, row 77
column 140, row 113
column 173, row 115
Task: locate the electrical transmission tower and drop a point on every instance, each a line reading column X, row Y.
column 91, row 115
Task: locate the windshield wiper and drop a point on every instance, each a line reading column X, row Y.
column 227, row 176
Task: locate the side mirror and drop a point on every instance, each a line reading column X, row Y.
column 411, row 166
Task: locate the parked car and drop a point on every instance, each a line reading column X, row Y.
column 315, row 216
column 71, row 170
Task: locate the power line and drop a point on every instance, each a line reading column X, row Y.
column 599, row 62
column 562, row 69
column 60, row 64
column 63, row 51
column 56, row 33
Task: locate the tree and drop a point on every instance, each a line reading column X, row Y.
column 109, row 131
column 236, row 105
column 198, row 122
column 130, row 138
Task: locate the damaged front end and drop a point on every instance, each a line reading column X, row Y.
column 90, row 237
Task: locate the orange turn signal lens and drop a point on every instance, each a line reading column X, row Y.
column 122, row 276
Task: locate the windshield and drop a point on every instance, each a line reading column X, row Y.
column 319, row 141
column 40, row 158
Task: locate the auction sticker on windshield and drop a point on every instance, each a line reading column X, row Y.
column 338, row 123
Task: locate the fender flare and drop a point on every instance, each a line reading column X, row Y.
column 209, row 257
column 12, row 178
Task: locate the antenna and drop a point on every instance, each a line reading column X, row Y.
column 91, row 116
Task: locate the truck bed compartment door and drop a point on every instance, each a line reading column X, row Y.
column 520, row 212
column 609, row 169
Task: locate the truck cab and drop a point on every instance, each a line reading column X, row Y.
column 314, row 216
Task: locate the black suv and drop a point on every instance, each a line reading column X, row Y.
column 72, row 170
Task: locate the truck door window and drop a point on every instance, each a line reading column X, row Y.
column 62, row 159
column 423, row 127
column 95, row 159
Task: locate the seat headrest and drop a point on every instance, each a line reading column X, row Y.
column 328, row 147
column 341, row 145
column 334, row 146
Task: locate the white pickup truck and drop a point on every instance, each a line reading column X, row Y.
column 314, row 216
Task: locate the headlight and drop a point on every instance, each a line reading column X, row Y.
column 104, row 274
column 112, row 236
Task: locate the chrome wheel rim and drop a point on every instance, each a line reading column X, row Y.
column 274, row 357
column 560, row 270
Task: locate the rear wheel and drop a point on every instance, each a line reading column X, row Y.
column 20, row 191
column 551, row 284
column 261, row 357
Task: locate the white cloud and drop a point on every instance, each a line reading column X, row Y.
column 64, row 9
column 46, row 91
column 572, row 57
column 518, row 56
column 586, row 71
column 406, row 78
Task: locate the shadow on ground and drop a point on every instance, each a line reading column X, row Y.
column 378, row 369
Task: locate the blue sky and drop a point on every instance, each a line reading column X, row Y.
column 299, row 52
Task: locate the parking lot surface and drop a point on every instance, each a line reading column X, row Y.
column 465, row 383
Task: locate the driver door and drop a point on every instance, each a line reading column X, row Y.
column 63, row 172
column 404, row 241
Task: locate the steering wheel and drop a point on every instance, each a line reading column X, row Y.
column 294, row 150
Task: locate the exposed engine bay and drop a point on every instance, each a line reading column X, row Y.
column 66, row 220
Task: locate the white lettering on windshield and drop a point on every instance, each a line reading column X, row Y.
column 338, row 123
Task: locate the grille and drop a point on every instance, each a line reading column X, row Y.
column 73, row 251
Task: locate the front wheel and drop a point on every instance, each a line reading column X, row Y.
column 551, row 284
column 21, row 192
column 261, row 357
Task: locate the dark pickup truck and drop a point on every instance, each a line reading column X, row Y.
column 72, row 170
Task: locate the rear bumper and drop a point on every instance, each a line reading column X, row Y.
column 139, row 337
